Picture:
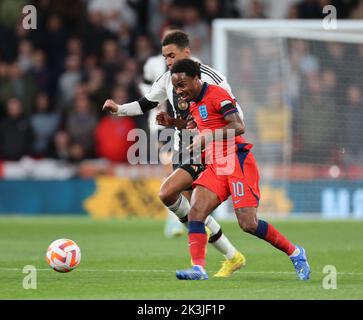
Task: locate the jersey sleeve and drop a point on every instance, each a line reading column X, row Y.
column 157, row 92
column 212, row 76
column 224, row 103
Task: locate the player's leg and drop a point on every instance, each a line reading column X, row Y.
column 249, row 222
column 234, row 259
column 244, row 188
column 172, row 190
column 171, row 193
column 173, row 227
column 203, row 202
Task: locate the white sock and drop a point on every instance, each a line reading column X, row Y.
column 223, row 245
column 181, row 208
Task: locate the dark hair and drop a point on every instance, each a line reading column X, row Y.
column 177, row 37
column 188, row 66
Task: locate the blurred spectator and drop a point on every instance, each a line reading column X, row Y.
column 265, row 8
column 111, row 60
column 3, row 78
column 317, row 125
column 75, row 46
column 111, row 132
column 69, row 79
column 25, row 59
column 20, row 85
column 16, row 135
column 95, row 34
column 353, row 128
column 156, row 17
column 273, row 135
column 10, row 11
column 143, row 49
column 357, row 13
column 212, row 9
column 41, row 73
column 329, row 85
column 111, row 138
column 128, row 78
column 199, row 34
column 96, row 88
column 308, row 62
column 54, row 41
column 277, row 9
column 255, row 10
column 174, row 16
column 114, row 12
column 59, row 148
column 335, row 59
column 309, row 9
column 44, row 123
column 77, row 152
column 81, row 122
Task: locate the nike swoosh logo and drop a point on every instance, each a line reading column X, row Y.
column 236, row 201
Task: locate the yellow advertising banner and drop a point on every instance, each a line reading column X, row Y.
column 121, row 198
column 275, row 200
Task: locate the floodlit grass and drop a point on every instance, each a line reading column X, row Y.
column 131, row 259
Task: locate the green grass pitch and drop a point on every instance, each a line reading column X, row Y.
column 131, row 259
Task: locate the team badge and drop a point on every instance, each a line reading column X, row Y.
column 183, row 105
column 203, row 111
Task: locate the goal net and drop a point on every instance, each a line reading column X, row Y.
column 300, row 89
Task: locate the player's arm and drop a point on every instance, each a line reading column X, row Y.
column 134, row 108
column 150, row 101
column 164, row 119
column 234, row 124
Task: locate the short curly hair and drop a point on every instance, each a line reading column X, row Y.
column 177, row 37
column 188, row 66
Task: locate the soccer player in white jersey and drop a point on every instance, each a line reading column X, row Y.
column 153, row 69
column 176, row 189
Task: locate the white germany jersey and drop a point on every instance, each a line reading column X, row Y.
column 162, row 89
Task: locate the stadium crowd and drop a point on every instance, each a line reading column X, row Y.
column 54, row 80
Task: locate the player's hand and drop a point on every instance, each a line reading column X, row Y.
column 191, row 124
column 110, row 106
column 164, row 119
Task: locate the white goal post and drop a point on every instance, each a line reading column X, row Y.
column 350, row 31
column 300, row 88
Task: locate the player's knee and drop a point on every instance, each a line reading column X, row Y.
column 167, row 195
column 247, row 225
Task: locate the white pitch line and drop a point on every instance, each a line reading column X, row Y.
column 171, row 271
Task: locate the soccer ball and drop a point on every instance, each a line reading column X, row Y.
column 63, row 255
